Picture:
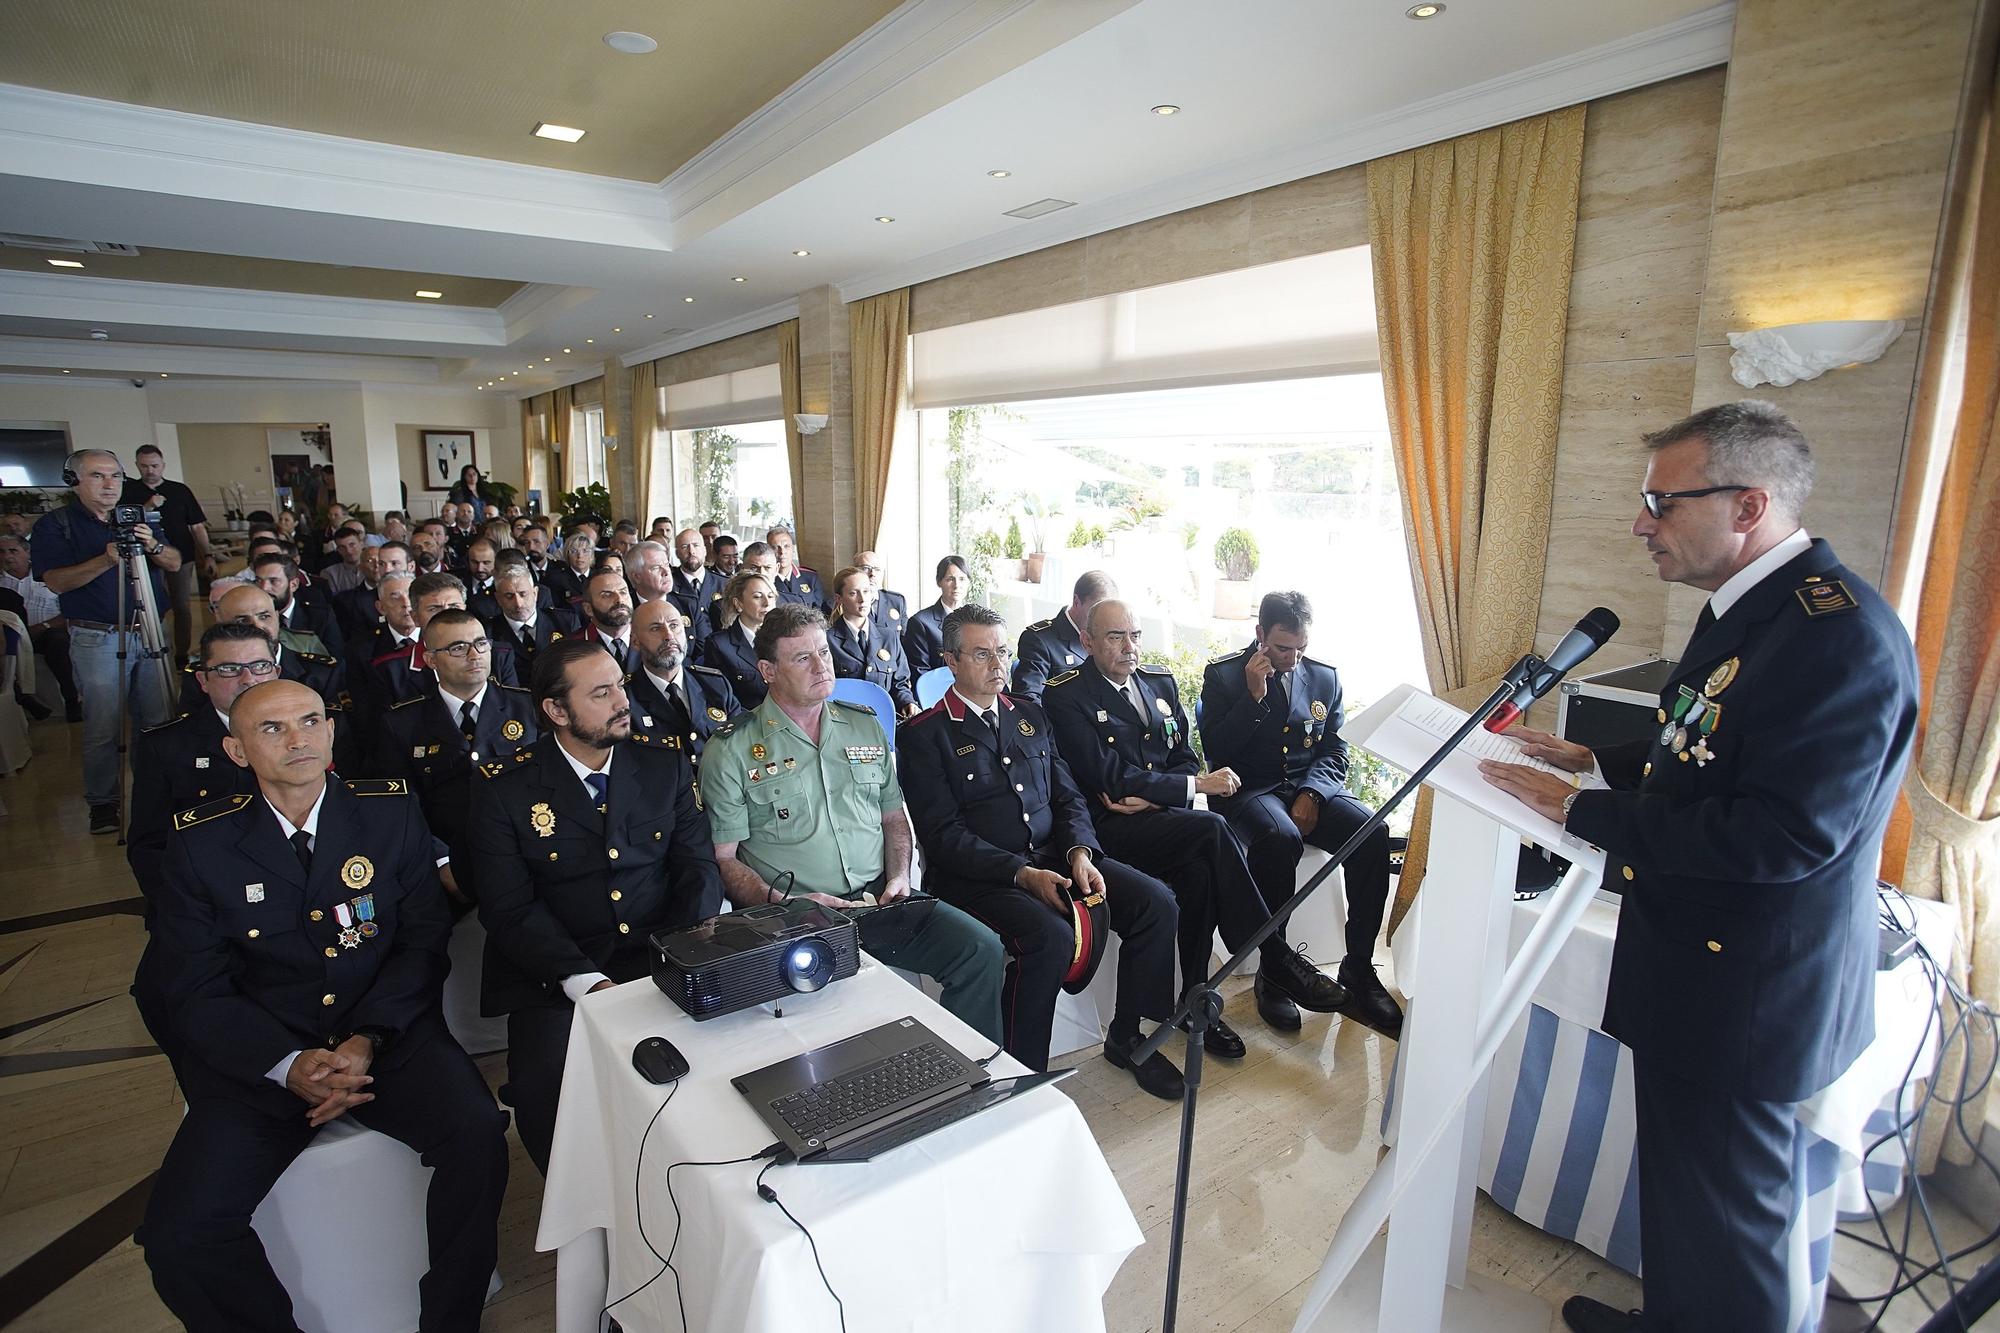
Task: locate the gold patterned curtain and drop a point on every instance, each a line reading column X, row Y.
column 879, row 351
column 561, row 406
column 645, row 409
column 1472, row 241
column 788, row 379
column 1953, row 787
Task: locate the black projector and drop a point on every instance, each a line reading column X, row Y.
column 742, row 959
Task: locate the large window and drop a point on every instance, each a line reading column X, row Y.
column 590, row 466
column 734, row 474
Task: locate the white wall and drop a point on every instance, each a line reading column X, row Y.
column 103, row 414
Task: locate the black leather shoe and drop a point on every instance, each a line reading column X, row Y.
column 1368, row 1000
column 1583, row 1315
column 1293, row 974
column 1218, row 1038
column 1158, row 1075
column 1273, row 1007
column 36, row 710
column 103, row 819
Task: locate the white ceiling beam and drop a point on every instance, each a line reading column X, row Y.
column 149, row 360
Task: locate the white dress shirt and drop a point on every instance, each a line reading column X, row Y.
column 1765, row 565
column 40, row 602
column 282, row 1070
column 1131, row 692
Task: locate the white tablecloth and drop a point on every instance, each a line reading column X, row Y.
column 1008, row 1221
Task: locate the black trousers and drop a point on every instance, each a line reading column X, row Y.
column 1039, row 944
column 210, row 1268
column 1194, row 854
column 1716, row 1194
column 537, row 1049
column 1273, row 846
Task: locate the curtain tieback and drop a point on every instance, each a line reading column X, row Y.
column 1944, row 823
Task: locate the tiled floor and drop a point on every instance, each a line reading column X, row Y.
column 86, row 1110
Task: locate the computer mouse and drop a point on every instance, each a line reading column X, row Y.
column 658, row 1060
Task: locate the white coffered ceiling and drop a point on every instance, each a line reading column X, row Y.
column 904, row 121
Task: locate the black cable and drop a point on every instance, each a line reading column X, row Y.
column 769, row 1195
column 679, row 1299
column 639, row 1211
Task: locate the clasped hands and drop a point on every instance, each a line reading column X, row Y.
column 333, row 1081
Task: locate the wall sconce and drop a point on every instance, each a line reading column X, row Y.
column 611, row 443
column 1794, row 352
column 810, row 423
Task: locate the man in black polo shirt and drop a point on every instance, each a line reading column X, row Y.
column 185, row 528
column 76, row 555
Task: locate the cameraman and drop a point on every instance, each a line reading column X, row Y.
column 75, row 552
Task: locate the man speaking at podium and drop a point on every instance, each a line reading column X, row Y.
column 1745, row 838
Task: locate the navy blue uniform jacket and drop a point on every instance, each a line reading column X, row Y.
column 1270, row 746
column 1110, row 751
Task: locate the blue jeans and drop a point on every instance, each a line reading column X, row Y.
column 93, row 655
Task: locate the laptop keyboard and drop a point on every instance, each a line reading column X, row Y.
column 825, row 1110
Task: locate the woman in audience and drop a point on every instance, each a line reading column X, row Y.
column 862, row 649
column 923, row 639
column 746, row 600
column 288, row 525
column 500, row 532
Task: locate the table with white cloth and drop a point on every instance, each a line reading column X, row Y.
column 1008, row 1220
column 1559, row 1136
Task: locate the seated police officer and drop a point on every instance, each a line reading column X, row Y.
column 404, row 672
column 1127, row 741
column 923, row 641
column 1056, row 644
column 607, row 608
column 525, row 623
column 696, row 588
column 1274, row 715
column 863, row 648
column 481, row 563
column 583, row 846
column 278, row 574
column 732, row 648
column 464, row 718
column 797, row 585
column 301, row 938
column 889, row 610
column 803, row 798
column 1007, row 837
column 673, row 700
column 248, row 605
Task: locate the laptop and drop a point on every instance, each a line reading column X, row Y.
column 858, row 1098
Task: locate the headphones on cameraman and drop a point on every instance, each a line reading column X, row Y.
column 71, row 477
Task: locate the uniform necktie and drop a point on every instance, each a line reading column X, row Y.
column 1702, row 624
column 1282, row 680
column 302, row 844
column 600, row 789
column 991, row 719
column 468, row 724
column 617, row 647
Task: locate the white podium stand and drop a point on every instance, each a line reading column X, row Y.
column 1415, row 1280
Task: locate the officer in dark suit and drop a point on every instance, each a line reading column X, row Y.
column 732, row 648
column 1274, row 716
column 524, row 624
column 1128, row 743
column 277, row 575
column 250, row 606
column 889, row 611
column 697, row 589
column 674, row 701
column 796, row 585
column 566, row 579
column 302, row 933
column 923, row 640
column 480, row 555
column 435, row 740
column 1006, row 835
column 1745, row 838
column 583, row 846
column 357, row 609
column 404, row 672
column 1056, row 644
column 862, row 648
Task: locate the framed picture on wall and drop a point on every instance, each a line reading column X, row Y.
column 446, row 452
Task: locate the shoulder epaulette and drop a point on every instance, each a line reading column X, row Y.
column 1155, row 669
column 709, row 670
column 162, row 726
column 405, row 703
column 728, row 729
column 863, row 709
column 322, row 658
column 924, row 714
column 406, row 650
column 201, row 814
column 378, row 786
column 1043, row 624
column 1822, row 596
column 515, row 689
column 1062, row 679
column 1228, row 657
column 493, row 768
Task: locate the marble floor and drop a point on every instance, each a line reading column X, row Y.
column 87, row 1107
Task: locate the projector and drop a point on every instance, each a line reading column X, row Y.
column 739, row 960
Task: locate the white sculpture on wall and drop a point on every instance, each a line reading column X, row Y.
column 1794, row 352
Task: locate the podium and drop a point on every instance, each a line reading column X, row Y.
column 1414, row 1280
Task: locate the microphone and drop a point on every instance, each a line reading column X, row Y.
column 1590, row 634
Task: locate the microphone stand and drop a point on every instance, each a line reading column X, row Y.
column 1203, row 1004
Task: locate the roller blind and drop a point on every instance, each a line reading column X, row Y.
column 756, row 394
column 1299, row 317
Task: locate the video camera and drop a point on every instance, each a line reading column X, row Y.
column 128, row 519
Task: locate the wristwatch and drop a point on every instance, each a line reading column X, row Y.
column 1569, row 801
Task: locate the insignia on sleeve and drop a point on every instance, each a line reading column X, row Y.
column 378, row 786
column 1062, row 679
column 201, row 814
column 1825, row 597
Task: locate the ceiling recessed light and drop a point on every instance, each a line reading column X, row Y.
column 480, row 387
column 1166, row 109
column 618, row 330
column 565, row 351
column 548, row 358
column 67, row 263
column 739, row 279
column 163, row 374
column 590, row 340
column 560, row 133
column 649, row 317
column 999, row 175
column 1426, row 11
column 801, row 253
column 429, row 295
column 631, row 43
column 65, row 372
column 688, row 299
column 883, row 217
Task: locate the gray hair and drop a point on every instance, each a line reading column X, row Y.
column 970, row 614
column 1094, row 586
column 1750, row 443
column 644, row 552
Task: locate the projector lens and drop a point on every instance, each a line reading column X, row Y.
column 809, row 966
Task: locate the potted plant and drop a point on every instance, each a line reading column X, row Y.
column 1236, row 561
column 1034, row 565
column 1014, row 548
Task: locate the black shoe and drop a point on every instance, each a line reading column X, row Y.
column 1368, row 1000
column 1273, row 1007
column 72, row 712
column 103, row 819
column 1299, row 981
column 1157, row 1076
column 1218, row 1038
column 36, row 710
column 1583, row 1315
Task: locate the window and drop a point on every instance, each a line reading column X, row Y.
column 590, row 467
column 734, row 474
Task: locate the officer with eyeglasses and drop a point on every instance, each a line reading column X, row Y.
column 462, row 719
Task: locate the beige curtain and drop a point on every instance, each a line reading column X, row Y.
column 1472, row 242
column 1953, row 788
column 788, row 378
column 538, row 465
column 645, row 408
column 561, row 406
column 879, row 351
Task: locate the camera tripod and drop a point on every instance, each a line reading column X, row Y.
column 136, row 604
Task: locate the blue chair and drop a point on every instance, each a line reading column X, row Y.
column 932, row 685
column 869, row 695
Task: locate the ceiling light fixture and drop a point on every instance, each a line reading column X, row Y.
column 649, row 317
column 801, row 253
column 560, row 133
column 565, row 351
column 1166, row 109
column 999, row 175
column 1426, row 11
column 163, row 374
column 883, row 217
column 618, row 330
column 548, row 358
column 429, row 295
column 688, row 300
column 631, row 43
column 67, row 263
column 65, row 372
column 590, row 340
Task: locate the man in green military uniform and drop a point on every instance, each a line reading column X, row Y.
column 802, row 799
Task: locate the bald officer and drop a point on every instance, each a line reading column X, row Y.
column 802, row 797
column 303, row 931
